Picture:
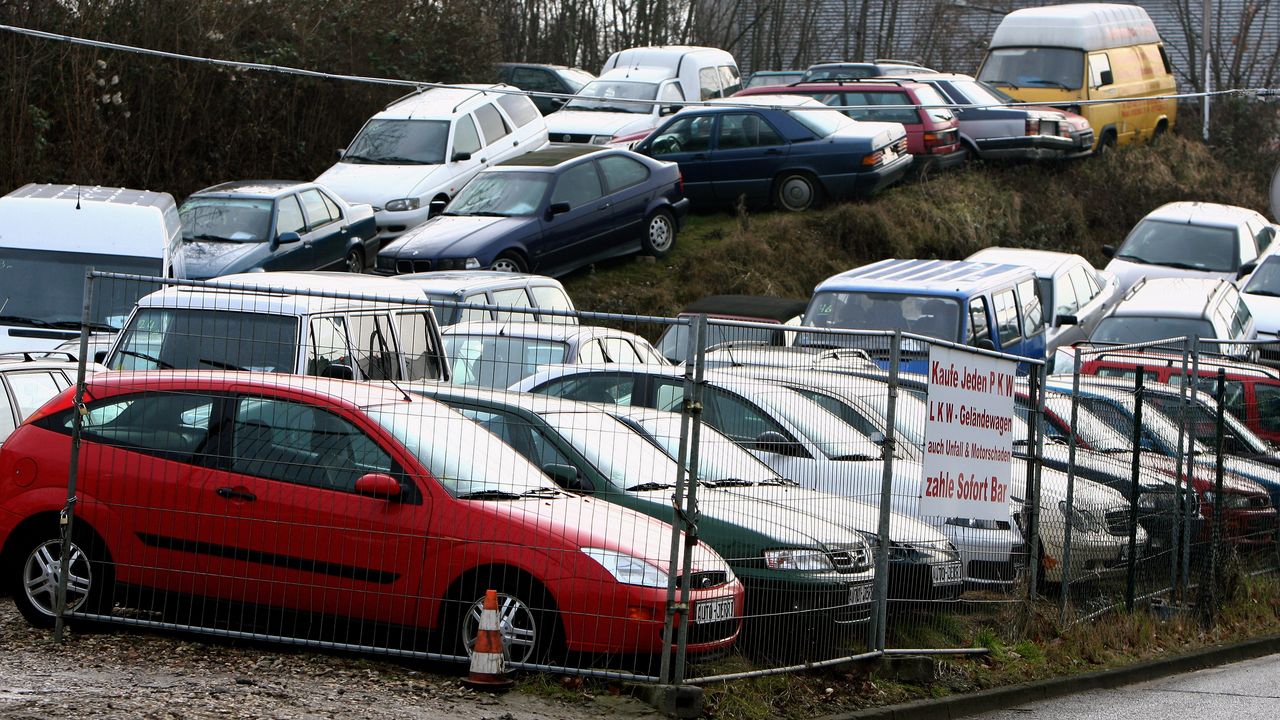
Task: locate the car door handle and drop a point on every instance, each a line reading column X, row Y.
column 604, row 207
column 484, row 160
column 236, row 493
column 515, row 143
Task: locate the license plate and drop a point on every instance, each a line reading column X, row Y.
column 861, row 594
column 709, row 611
column 948, row 574
column 1048, row 128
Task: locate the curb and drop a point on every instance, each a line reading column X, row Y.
column 1004, row 697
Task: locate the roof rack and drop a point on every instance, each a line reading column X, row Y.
column 897, row 62
column 33, row 355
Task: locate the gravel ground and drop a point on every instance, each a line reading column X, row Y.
column 124, row 673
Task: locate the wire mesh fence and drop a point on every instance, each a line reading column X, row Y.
column 351, row 462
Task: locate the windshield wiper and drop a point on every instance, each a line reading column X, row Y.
column 1179, row 265
column 362, row 159
column 1263, row 293
column 210, row 237
column 397, row 160
column 1132, row 258
column 219, row 364
column 542, row 492
column 645, row 487
column 729, row 482
column 857, row 457
column 489, row 495
column 485, row 213
column 1054, row 83
column 160, row 364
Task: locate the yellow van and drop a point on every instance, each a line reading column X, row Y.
column 1062, row 54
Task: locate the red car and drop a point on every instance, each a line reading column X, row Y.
column 933, row 133
column 325, row 498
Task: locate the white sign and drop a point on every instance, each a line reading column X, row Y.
column 968, row 456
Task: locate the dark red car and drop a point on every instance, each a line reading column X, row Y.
column 330, row 499
column 933, row 132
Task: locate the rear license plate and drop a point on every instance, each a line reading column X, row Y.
column 861, row 594
column 1048, row 127
column 709, row 611
column 948, row 574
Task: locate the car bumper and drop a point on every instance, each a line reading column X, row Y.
column 990, row 557
column 630, row 619
column 1242, row 528
column 1027, row 147
column 921, row 581
column 681, row 209
column 1093, row 554
column 392, row 225
column 941, row 162
column 867, row 182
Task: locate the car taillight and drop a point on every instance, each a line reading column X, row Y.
column 1033, row 126
column 873, row 159
column 680, row 182
column 935, row 141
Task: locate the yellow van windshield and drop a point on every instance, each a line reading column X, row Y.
column 1060, row 68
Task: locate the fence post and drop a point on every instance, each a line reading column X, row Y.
column 1215, row 559
column 1192, row 503
column 1065, row 593
column 680, row 519
column 693, row 408
column 881, row 589
column 1175, row 528
column 1131, row 580
column 66, row 518
column 1032, row 501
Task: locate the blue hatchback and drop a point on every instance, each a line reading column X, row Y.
column 783, row 149
column 550, row 211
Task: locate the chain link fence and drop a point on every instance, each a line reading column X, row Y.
column 315, row 459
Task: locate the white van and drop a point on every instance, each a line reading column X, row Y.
column 358, row 328
column 672, row 74
column 49, row 236
column 411, row 158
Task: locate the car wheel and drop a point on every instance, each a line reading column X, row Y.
column 529, row 625
column 508, row 262
column 39, row 563
column 795, row 192
column 660, row 233
column 355, row 261
column 1107, row 144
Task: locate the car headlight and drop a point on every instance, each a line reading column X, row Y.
column 1147, row 501
column 473, row 264
column 600, row 139
column 627, row 569
column 798, row 559
column 1080, row 519
column 971, row 523
column 402, row 204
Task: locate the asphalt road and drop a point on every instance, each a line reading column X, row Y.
column 1247, row 690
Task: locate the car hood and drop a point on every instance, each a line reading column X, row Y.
column 1266, row 312
column 577, row 122
column 452, row 234
column 376, row 184
column 207, row 259
column 583, row 522
column 1129, row 273
column 1252, row 476
column 851, row 514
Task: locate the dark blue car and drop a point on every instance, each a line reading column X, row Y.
column 253, row 225
column 781, row 149
column 550, row 211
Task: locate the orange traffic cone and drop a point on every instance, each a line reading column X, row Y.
column 488, row 664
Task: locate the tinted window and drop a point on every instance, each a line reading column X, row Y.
column 520, row 108
column 709, row 83
column 533, row 79
column 160, row 339
column 906, row 116
column 492, row 125
column 737, row 418
column 1268, row 398
column 622, row 172
column 920, row 314
column 520, row 435
column 578, row 186
column 744, row 130
column 316, row 209
column 290, row 217
column 1006, row 308
column 33, row 389
column 615, row 389
column 174, row 426
column 465, row 137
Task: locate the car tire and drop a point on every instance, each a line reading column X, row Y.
column 1107, row 144
column 527, row 619
column 796, row 192
column 509, row 262
column 355, row 261
column 35, row 571
column 659, row 233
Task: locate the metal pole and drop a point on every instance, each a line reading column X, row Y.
column 1130, row 588
column 1207, row 55
column 1071, row 492
column 1215, row 561
column 691, row 503
column 1037, row 381
column 1192, row 504
column 66, row 518
column 881, row 616
column 1176, row 526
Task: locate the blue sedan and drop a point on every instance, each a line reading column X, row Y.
column 778, row 148
column 264, row 225
column 550, row 211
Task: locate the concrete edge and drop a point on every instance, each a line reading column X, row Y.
column 957, row 706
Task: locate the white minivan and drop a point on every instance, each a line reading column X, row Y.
column 411, row 158
column 50, row 235
column 612, row 107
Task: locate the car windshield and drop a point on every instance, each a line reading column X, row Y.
column 43, row 288
column 835, row 438
column 979, row 94
column 930, row 97
column 770, row 79
column 187, row 339
column 1116, row 411
column 719, row 458
column 612, row 96
column 1266, row 279
column 576, row 79
column 1179, row 245
column 1060, row 68
column 617, row 451
column 841, row 72
column 244, row 220
column 462, row 456
column 920, row 314
column 399, row 142
column 821, row 122
column 501, row 193
column 499, row 361
column 1100, row 436
column 1203, row 420
column 674, row 343
column 1137, row 329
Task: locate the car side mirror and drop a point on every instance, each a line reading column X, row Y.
column 378, row 485
column 338, row 371
column 1108, row 251
column 100, row 357
column 1246, row 268
column 1063, row 320
column 986, row 344
column 877, row 437
column 460, row 157
column 566, row 476
column 555, row 209
column 1105, row 78
column 288, row 238
column 665, row 110
column 771, row 441
column 340, row 152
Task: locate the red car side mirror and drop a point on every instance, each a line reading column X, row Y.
column 378, row 485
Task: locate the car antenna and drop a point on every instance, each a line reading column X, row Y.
column 394, row 384
column 77, row 197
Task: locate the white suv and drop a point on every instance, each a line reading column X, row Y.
column 411, row 158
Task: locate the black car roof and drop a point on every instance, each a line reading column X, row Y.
column 552, row 155
column 756, row 306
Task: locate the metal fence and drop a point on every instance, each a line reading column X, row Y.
column 329, row 467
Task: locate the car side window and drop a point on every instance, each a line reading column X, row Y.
column 289, row 216
column 668, row 395
column 578, row 186
column 465, row 137
column 373, row 347
column 475, row 314
column 553, row 298
column 513, row 297
column 979, row 328
column 730, row 80
column 7, row 420
column 172, row 426
column 521, row 109
column 303, row 445
column 1032, row 313
column 709, row 83
column 335, row 212
column 1098, row 64
column 1085, row 290
column 591, row 353
column 316, row 209
column 620, row 351
column 740, row 420
column 418, row 346
column 870, row 110
column 492, row 125
column 31, row 390
column 614, row 388
column 745, row 130
column 685, row 135
column 622, row 172
column 1065, row 298
column 1006, row 307
column 671, row 93
column 1268, row 399
column 1263, row 238
column 534, row 79
column 327, row 345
